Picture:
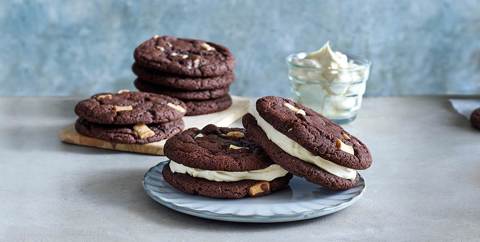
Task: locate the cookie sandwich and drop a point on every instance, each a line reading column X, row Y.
column 305, row 143
column 221, row 163
column 130, row 117
column 195, row 71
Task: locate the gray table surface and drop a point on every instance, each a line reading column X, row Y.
column 424, row 184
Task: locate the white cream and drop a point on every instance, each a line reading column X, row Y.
column 342, row 81
column 266, row 174
column 295, row 149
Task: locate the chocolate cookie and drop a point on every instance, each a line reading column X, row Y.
column 314, row 132
column 183, row 95
column 208, row 106
column 227, row 153
column 475, row 118
column 229, row 190
column 129, row 134
column 183, row 82
column 188, row 57
column 294, row 165
column 211, row 149
column 130, row 108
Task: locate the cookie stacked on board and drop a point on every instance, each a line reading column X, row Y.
column 195, row 71
column 130, row 117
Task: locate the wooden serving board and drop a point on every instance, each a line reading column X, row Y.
column 223, row 118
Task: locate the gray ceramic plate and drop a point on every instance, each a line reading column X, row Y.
column 301, row 201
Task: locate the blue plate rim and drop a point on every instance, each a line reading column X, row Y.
column 231, row 217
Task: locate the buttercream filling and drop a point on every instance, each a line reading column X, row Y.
column 267, row 174
column 294, row 149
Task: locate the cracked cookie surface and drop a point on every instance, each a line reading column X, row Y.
column 216, row 148
column 313, row 131
column 186, row 57
column 130, row 108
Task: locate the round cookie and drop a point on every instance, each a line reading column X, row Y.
column 188, row 57
column 209, row 149
column 314, row 132
column 183, row 82
column 208, row 106
column 180, row 94
column 229, row 190
column 475, row 118
column 126, row 134
column 130, row 108
column 218, row 149
column 294, row 165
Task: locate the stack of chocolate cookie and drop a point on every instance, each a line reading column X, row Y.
column 197, row 72
column 130, row 117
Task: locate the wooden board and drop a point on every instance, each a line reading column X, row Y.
column 224, row 118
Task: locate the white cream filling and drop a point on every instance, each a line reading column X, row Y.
column 266, row 174
column 296, row 150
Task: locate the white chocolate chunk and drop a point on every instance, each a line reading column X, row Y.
column 234, row 147
column 259, row 188
column 122, row 91
column 235, row 134
column 207, row 47
column 160, row 48
column 199, row 135
column 196, row 62
column 177, row 107
column 293, row 108
column 344, row 147
column 107, row 96
column 143, row 131
column 123, row 108
column 184, row 56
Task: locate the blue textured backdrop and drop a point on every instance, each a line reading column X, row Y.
column 80, row 47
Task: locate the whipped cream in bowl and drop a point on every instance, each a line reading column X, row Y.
column 330, row 82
